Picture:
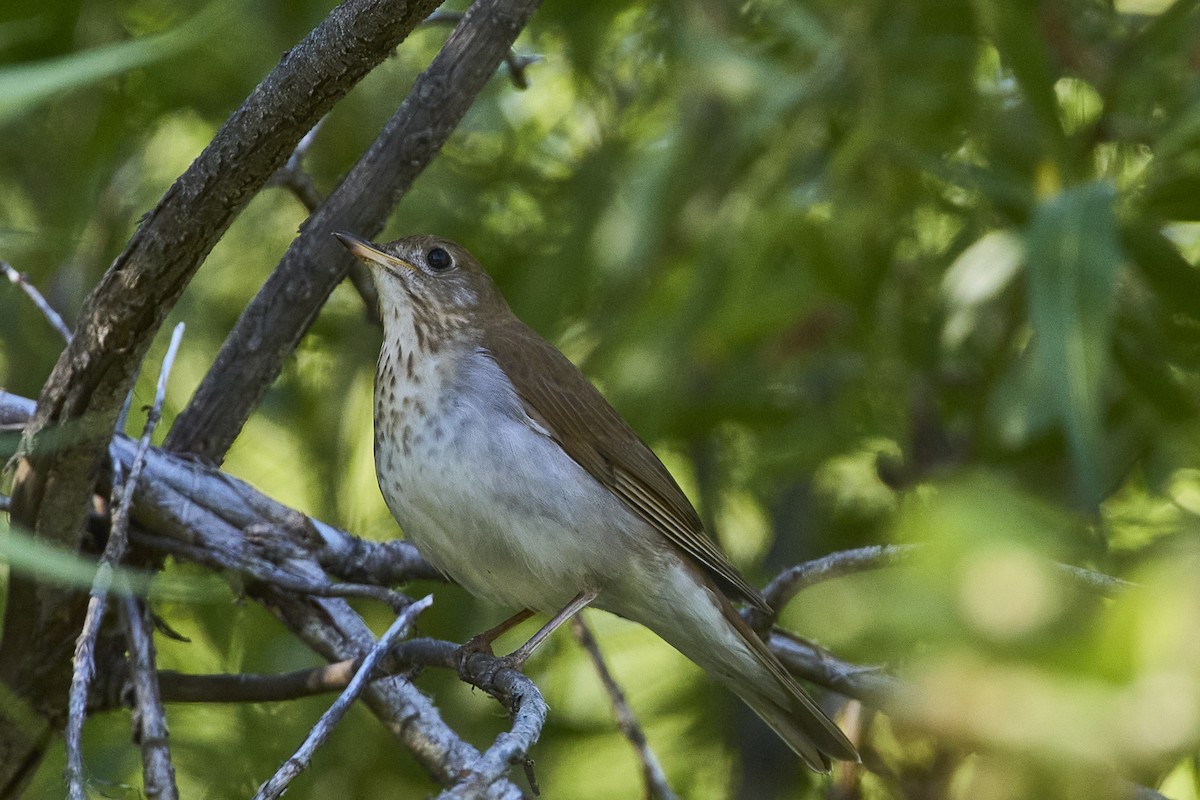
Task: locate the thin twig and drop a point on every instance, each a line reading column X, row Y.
column 243, row 687
column 295, row 179
column 292, row 176
column 324, row 727
column 149, row 717
column 52, row 316
column 652, row 771
column 516, row 62
column 791, row 581
column 114, row 550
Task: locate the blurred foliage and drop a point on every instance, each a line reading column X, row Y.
column 861, row 271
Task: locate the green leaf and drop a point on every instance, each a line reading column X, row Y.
column 1073, row 257
column 24, row 86
column 1175, row 198
column 1173, row 278
column 1016, row 32
column 30, row 556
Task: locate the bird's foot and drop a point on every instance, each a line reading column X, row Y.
column 478, row 666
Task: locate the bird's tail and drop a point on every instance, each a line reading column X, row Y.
column 708, row 630
column 778, row 700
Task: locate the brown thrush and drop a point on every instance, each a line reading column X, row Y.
column 514, row 477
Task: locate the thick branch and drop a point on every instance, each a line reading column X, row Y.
column 269, row 329
column 79, row 403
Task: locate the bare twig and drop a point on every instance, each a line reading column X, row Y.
column 787, row 584
column 652, row 771
column 516, row 62
column 790, row 582
column 329, row 720
column 292, row 176
column 149, row 717
column 52, row 316
column 114, row 551
column 294, row 179
column 242, row 687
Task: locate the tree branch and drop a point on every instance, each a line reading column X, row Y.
column 657, row 785
column 149, row 717
column 65, row 442
column 793, row 580
column 278, row 317
column 21, row 280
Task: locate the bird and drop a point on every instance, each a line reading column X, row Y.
column 515, row 478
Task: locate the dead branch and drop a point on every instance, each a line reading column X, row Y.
column 65, row 442
column 291, row 768
column 84, row 663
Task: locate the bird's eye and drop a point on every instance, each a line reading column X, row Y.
column 438, row 258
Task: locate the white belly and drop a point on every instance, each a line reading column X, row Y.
column 496, row 505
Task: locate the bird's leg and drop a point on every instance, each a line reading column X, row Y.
column 482, row 643
column 517, row 658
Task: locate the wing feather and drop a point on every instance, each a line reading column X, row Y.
column 561, row 400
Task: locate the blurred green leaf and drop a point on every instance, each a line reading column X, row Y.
column 1175, row 198
column 1175, row 280
column 32, row 557
column 1017, row 30
column 24, row 86
column 1073, row 257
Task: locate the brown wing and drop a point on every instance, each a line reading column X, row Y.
column 558, row 397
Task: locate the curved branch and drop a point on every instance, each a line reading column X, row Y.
column 793, row 580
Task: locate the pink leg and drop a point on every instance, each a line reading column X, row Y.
column 517, row 658
column 482, row 643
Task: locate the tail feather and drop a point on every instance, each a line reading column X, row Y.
column 773, row 694
column 699, row 621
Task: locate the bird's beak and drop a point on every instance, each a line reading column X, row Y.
column 369, row 253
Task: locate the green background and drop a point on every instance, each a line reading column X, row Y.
column 860, row 271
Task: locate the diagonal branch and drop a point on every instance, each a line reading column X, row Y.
column 269, row 329
column 657, row 785
column 291, row 768
column 66, row 440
